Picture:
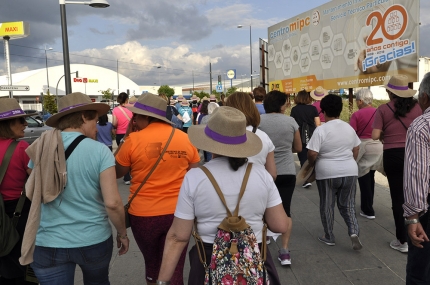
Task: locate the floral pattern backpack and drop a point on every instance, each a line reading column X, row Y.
column 236, row 258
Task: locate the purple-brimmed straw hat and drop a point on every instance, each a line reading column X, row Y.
column 318, row 93
column 150, row 105
column 76, row 102
column 225, row 134
column 10, row 109
column 398, row 84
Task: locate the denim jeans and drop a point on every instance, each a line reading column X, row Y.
column 418, row 266
column 56, row 266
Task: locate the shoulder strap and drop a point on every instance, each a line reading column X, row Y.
column 73, row 145
column 367, row 123
column 152, row 170
column 125, row 114
column 406, row 128
column 219, row 192
column 6, row 159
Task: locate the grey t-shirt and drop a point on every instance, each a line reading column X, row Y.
column 281, row 129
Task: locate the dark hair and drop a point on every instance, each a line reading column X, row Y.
column 235, row 162
column 103, row 120
column 5, row 129
column 403, row 105
column 74, row 120
column 122, row 98
column 243, row 103
column 273, row 101
column 332, row 105
column 204, row 108
column 259, row 94
column 303, row 98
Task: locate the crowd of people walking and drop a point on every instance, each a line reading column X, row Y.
column 64, row 187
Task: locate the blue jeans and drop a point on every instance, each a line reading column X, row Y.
column 418, row 266
column 56, row 266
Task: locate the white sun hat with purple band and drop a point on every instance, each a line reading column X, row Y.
column 398, row 84
column 225, row 134
column 10, row 109
column 76, row 102
column 318, row 93
column 150, row 105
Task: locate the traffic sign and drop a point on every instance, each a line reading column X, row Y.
column 219, row 88
column 14, row 88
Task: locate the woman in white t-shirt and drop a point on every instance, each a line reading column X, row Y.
column 333, row 149
column 199, row 201
column 243, row 102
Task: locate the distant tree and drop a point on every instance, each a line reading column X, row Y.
column 166, row 90
column 49, row 103
column 231, row 90
column 201, row 94
column 107, row 94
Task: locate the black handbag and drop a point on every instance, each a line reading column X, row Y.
column 305, row 133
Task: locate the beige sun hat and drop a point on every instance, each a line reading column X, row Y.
column 195, row 98
column 150, row 105
column 10, row 109
column 76, row 102
column 132, row 100
column 306, row 173
column 319, row 93
column 231, row 141
column 205, row 99
column 184, row 102
column 212, row 98
column 398, row 84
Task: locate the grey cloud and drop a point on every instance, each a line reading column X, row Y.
column 96, row 31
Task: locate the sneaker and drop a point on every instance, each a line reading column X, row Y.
column 367, row 216
column 326, row 241
column 284, row 258
column 127, row 182
column 395, row 244
column 356, row 244
column 307, row 185
column 267, row 240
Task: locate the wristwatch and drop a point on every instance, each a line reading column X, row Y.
column 411, row 221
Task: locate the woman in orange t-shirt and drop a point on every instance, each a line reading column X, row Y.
column 151, row 211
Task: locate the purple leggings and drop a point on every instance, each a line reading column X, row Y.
column 150, row 235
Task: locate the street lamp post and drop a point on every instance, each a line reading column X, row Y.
column 158, row 69
column 250, row 48
column 46, row 66
column 56, row 89
column 66, row 59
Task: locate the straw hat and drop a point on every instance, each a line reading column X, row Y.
column 150, row 105
column 180, row 97
column 76, row 102
column 10, row 109
column 172, row 102
column 195, row 98
column 184, row 102
column 132, row 100
column 318, row 93
column 212, row 98
column 398, row 84
column 205, row 99
column 225, row 134
column 306, row 173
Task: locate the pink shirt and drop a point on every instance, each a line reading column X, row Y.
column 122, row 119
column 362, row 121
column 320, row 114
column 394, row 131
column 16, row 173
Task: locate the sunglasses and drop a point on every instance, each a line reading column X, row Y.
column 22, row 120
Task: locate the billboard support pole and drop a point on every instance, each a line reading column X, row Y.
column 351, row 101
column 7, row 57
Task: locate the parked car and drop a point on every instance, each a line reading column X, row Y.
column 41, row 116
column 34, row 129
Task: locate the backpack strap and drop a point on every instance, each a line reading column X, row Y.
column 73, row 145
column 6, row 159
column 219, row 192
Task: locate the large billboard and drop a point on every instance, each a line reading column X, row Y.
column 345, row 44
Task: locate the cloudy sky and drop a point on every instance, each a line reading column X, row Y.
column 181, row 36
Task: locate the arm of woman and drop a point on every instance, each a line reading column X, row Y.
column 176, row 240
column 355, row 152
column 179, row 116
column 297, row 142
column 270, row 164
column 114, row 207
column 114, row 121
column 317, row 121
column 376, row 134
column 312, row 157
column 277, row 219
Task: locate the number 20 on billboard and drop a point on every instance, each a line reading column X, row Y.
column 392, row 24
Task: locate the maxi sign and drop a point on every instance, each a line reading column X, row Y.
column 345, row 44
